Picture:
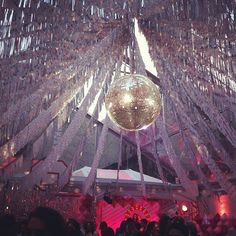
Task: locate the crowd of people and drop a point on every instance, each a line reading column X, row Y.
column 45, row 221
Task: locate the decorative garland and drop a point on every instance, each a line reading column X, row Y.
column 187, row 77
column 70, row 132
column 185, row 181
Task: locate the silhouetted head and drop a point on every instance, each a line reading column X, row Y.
column 152, row 227
column 89, row 227
column 103, row 225
column 8, row 226
column 177, row 228
column 73, row 227
column 123, row 226
column 45, row 221
column 164, row 224
column 192, row 229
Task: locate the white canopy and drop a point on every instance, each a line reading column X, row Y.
column 105, row 175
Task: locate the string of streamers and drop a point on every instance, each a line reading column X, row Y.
column 119, row 159
column 101, row 143
column 203, row 130
column 100, row 149
column 70, row 132
column 137, row 66
column 194, row 90
column 223, row 181
column 200, row 74
column 65, row 177
column 155, row 153
column 43, row 119
column 188, row 149
column 190, row 187
column 143, row 187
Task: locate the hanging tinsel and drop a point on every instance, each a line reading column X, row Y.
column 190, row 187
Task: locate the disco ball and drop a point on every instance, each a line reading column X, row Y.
column 133, row 102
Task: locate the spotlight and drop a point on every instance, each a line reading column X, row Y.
column 184, row 208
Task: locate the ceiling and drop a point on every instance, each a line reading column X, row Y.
column 58, row 59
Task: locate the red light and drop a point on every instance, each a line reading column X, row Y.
column 223, row 205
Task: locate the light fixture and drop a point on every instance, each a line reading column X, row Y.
column 184, row 208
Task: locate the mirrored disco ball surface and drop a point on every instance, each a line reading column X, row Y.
column 133, row 102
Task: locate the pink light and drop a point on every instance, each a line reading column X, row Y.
column 121, row 210
column 222, row 205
